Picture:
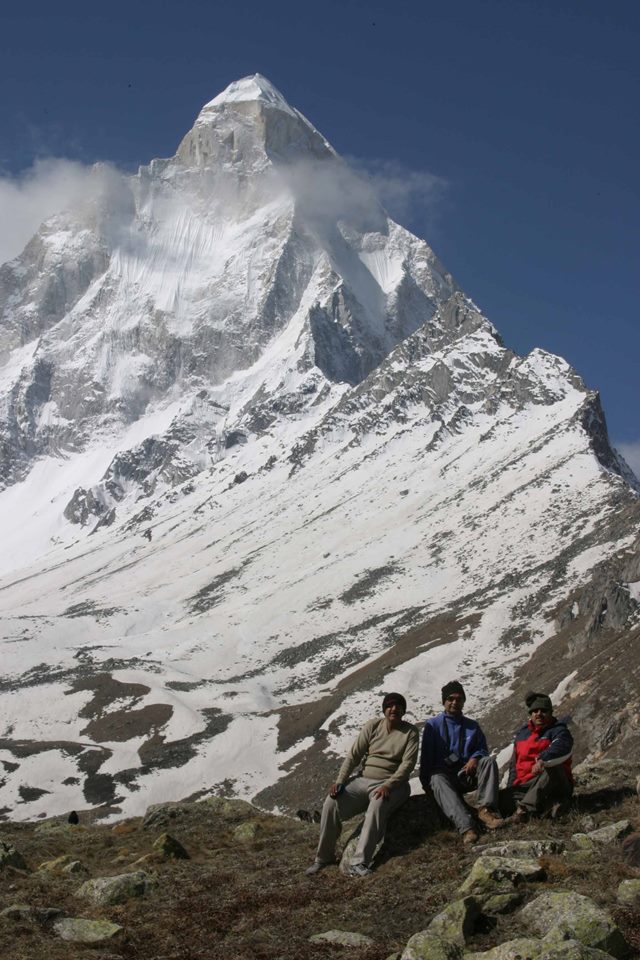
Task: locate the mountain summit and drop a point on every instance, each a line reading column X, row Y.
column 262, row 459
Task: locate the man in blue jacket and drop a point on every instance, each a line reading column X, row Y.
column 454, row 761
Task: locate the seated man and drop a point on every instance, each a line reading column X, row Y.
column 455, row 760
column 391, row 749
column 540, row 772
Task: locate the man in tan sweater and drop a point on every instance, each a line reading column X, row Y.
column 390, row 747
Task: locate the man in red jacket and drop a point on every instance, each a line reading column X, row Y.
column 540, row 774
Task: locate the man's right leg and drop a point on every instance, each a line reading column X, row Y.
column 354, row 799
column 552, row 784
column 451, row 803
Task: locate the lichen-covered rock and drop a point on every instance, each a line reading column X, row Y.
column 344, row 938
column 610, row 832
column 529, row 949
column 25, row 913
column 75, row 868
column 10, row 857
column 584, row 842
column 160, row 814
column 247, row 831
column 501, row 903
column 170, row 848
column 106, row 891
column 629, row 893
column 457, row 921
column 60, row 865
column 521, row 949
column 565, row 915
column 486, row 871
column 78, row 930
column 528, row 849
column 426, row 946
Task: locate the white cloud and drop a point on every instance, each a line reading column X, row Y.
column 631, row 453
column 405, row 194
column 43, row 190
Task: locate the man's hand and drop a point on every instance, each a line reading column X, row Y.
column 470, row 766
column 336, row 789
column 538, row 767
column 382, row 793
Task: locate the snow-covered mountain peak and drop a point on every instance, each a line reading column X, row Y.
column 250, row 123
column 252, row 88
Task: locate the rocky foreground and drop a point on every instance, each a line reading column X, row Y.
column 219, row 878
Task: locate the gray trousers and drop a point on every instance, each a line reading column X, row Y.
column 448, row 790
column 357, row 797
column 541, row 791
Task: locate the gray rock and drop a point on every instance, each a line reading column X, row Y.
column 501, row 903
column 9, row 857
column 565, row 915
column 487, row 871
column 629, row 893
column 25, row 912
column 610, row 832
column 528, row 849
column 170, row 848
column 456, row 922
column 584, row 842
column 529, row 949
column 344, row 938
column 247, row 831
column 78, row 930
column 425, row 946
column 106, row 891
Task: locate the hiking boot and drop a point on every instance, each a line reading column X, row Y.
column 315, row 867
column 359, row 870
column 520, row 816
column 470, row 836
column 490, row 819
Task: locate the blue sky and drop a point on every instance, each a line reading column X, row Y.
column 526, row 111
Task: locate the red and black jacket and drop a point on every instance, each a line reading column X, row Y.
column 553, row 745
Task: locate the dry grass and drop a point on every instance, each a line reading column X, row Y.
column 251, row 900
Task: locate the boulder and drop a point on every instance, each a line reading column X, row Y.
column 565, row 915
column 160, row 814
column 26, row 913
column 456, row 922
column 9, row 857
column 501, row 903
column 610, row 832
column 425, row 946
column 629, row 893
column 343, row 938
column 169, row 848
column 77, row 930
column 107, row 891
column 584, row 842
column 75, row 868
column 64, row 864
column 246, row 831
column 528, row 849
column 487, row 871
column 528, row 949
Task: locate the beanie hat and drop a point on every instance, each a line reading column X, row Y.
column 538, row 701
column 454, row 686
column 394, row 698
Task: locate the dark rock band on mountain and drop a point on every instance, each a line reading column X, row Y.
column 454, row 760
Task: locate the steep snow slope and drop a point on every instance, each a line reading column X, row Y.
column 262, row 460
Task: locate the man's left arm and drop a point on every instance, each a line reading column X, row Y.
column 560, row 748
column 475, row 748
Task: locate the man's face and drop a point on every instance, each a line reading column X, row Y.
column 393, row 713
column 453, row 704
column 540, row 718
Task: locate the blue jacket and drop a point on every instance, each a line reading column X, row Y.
column 444, row 735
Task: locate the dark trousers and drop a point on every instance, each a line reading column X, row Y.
column 541, row 792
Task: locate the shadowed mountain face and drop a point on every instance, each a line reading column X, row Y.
column 261, row 460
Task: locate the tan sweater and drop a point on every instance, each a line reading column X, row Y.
column 391, row 752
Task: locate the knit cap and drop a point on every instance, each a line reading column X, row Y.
column 538, row 701
column 394, row 698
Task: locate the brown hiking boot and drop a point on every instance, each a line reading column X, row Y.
column 490, row 819
column 469, row 837
column 520, row 816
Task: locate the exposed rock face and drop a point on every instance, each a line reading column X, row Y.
column 259, row 448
